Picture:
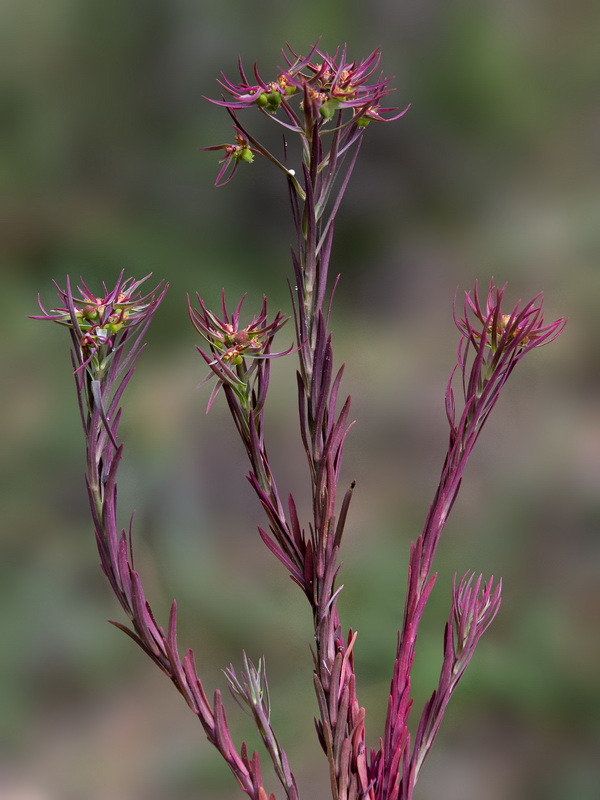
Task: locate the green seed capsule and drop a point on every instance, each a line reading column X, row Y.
column 262, row 100
column 246, row 155
column 327, row 110
column 89, row 312
column 274, row 100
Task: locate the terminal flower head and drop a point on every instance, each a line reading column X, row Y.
column 309, row 95
column 492, row 343
column 332, row 82
column 236, row 351
column 522, row 329
column 99, row 324
column 322, row 83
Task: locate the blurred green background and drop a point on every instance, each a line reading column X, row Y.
column 494, row 171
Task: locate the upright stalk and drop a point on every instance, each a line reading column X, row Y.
column 327, row 102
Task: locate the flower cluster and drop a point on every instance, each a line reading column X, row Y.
column 324, row 87
column 97, row 322
column 487, row 325
column 235, row 350
column 491, row 345
column 327, row 82
column 234, row 154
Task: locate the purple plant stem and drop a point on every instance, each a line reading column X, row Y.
column 313, row 560
column 100, row 382
column 491, row 345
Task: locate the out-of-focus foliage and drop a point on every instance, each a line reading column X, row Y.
column 493, row 171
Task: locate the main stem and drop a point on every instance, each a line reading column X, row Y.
column 334, row 678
